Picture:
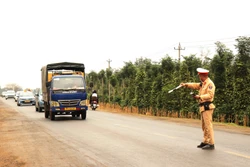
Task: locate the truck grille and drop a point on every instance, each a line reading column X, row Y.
column 69, row 102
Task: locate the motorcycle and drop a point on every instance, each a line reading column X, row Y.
column 94, row 105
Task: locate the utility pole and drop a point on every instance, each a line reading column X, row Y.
column 109, row 63
column 109, row 78
column 179, row 51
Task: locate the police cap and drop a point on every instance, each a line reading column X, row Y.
column 202, row 71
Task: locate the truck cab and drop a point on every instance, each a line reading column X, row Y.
column 64, row 90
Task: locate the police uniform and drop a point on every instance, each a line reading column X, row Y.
column 206, row 96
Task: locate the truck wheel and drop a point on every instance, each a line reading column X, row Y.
column 39, row 109
column 84, row 113
column 46, row 114
column 52, row 116
column 46, row 110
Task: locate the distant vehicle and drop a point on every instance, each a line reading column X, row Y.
column 3, row 93
column 94, row 105
column 39, row 104
column 25, row 98
column 27, row 89
column 16, row 95
column 64, row 90
column 10, row 94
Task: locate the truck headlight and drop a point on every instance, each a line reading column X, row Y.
column 54, row 104
column 83, row 103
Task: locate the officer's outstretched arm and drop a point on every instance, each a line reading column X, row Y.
column 191, row 85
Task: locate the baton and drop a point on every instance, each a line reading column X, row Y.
column 174, row 89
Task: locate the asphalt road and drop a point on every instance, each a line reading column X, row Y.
column 118, row 140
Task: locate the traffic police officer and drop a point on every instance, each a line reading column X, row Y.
column 205, row 98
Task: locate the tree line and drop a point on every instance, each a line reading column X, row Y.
column 11, row 86
column 144, row 84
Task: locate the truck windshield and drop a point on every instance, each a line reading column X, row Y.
column 67, row 83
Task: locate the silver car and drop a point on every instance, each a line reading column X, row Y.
column 39, row 101
column 25, row 98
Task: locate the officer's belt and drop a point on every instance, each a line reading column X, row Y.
column 205, row 103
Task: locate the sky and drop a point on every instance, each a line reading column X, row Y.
column 34, row 33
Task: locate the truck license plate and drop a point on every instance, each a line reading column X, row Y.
column 70, row 108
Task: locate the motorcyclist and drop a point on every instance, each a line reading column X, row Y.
column 93, row 97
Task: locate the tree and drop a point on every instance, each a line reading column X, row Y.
column 140, row 89
column 221, row 66
column 242, row 78
column 13, row 86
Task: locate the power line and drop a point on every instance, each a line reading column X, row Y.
column 228, row 41
column 216, row 39
column 210, row 44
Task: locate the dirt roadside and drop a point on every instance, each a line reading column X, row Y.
column 8, row 157
column 22, row 141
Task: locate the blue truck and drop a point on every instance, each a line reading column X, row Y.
column 64, row 90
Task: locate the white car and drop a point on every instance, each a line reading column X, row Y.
column 3, row 94
column 10, row 94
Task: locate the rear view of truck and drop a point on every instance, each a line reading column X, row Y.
column 64, row 90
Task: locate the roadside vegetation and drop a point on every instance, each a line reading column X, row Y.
column 143, row 86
